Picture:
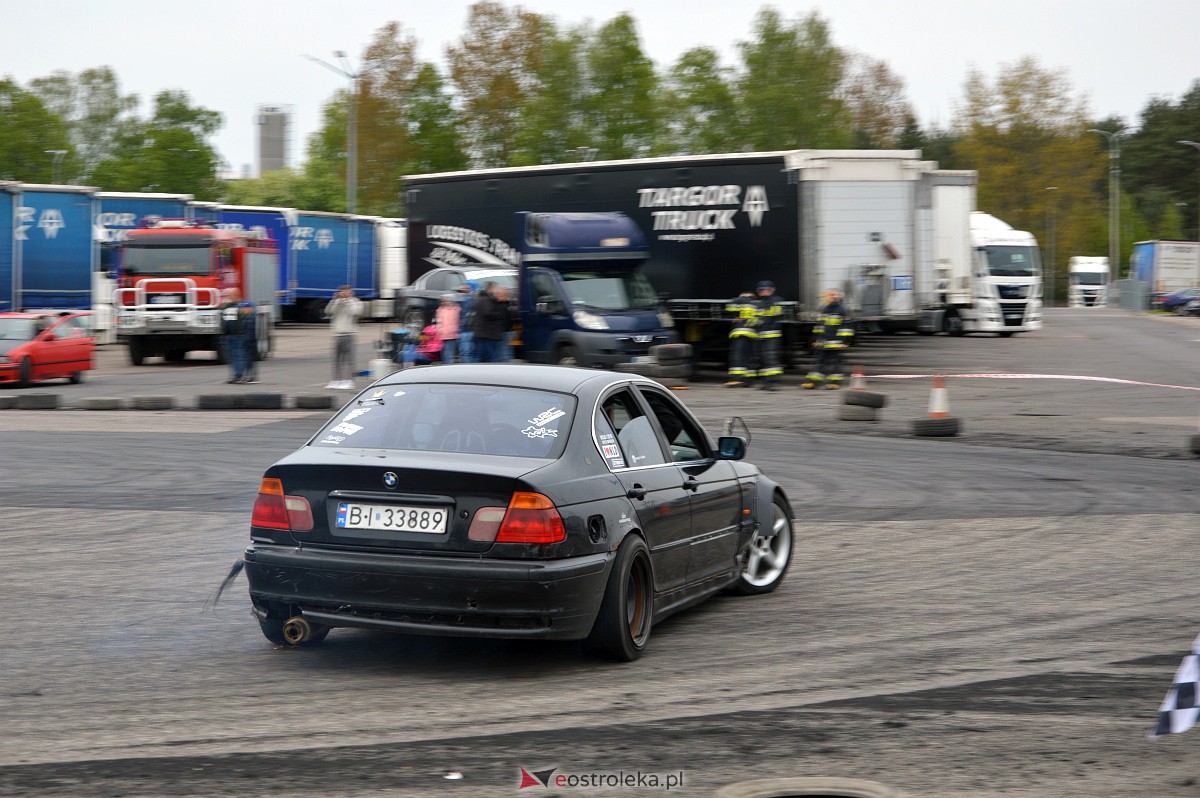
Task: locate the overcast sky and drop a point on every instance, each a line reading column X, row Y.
column 235, row 55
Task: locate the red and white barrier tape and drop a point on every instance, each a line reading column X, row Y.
column 1002, row 376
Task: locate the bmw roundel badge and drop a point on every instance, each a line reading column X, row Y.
column 390, row 479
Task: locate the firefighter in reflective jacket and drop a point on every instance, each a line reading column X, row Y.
column 754, row 339
column 741, row 340
column 831, row 335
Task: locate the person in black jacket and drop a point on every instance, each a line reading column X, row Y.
column 493, row 320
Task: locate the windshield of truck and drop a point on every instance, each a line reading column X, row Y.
column 1013, row 261
column 1088, row 278
column 165, row 260
column 610, row 289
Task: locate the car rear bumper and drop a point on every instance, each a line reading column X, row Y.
column 468, row 597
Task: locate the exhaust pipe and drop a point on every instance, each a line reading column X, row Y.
column 297, row 630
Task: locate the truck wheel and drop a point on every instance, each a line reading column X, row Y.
column 314, row 311
column 566, row 355
column 137, row 351
column 952, row 324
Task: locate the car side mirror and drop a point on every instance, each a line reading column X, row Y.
column 731, row 447
column 548, row 304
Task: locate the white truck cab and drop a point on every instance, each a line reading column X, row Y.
column 1088, row 286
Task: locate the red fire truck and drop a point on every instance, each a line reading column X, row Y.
column 170, row 278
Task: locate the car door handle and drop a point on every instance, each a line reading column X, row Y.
column 636, row 492
column 691, row 484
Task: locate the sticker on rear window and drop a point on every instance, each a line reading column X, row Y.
column 542, row 419
column 346, row 428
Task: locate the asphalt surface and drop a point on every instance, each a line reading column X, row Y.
column 998, row 613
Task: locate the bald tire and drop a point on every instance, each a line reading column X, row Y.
column 864, row 398
column 857, row 413
column 936, row 427
column 622, row 627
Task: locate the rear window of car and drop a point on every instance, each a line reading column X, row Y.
column 491, row 420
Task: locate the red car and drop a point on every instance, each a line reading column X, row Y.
column 45, row 346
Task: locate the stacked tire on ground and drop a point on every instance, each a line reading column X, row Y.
column 672, row 365
column 859, row 404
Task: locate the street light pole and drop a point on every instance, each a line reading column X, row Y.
column 351, row 127
column 1050, row 228
column 1114, row 196
column 1197, row 146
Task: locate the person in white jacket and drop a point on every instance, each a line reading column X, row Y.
column 343, row 312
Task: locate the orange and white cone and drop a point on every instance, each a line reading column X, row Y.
column 858, row 379
column 939, row 402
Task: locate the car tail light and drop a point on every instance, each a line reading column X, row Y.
column 274, row 510
column 531, row 518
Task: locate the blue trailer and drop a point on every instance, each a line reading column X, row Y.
column 329, row 250
column 319, row 252
column 9, row 199
column 54, row 253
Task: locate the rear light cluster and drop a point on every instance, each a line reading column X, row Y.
column 274, row 510
column 529, row 518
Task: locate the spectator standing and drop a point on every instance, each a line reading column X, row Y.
column 466, row 318
column 447, row 321
column 493, row 320
column 233, row 348
column 248, row 316
column 343, row 312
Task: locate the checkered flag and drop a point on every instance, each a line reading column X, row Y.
column 1181, row 707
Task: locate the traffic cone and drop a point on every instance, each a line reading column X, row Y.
column 938, row 422
column 858, row 379
column 939, row 403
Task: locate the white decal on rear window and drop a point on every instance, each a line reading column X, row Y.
column 333, row 439
column 353, row 414
column 542, row 419
column 539, row 432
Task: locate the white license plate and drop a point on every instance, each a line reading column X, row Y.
column 166, row 299
column 643, row 359
column 392, row 518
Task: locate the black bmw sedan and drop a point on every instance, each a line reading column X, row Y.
column 510, row 501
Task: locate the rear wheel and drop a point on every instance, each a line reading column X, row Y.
column 952, row 324
column 769, row 557
column 414, row 318
column 76, row 377
column 622, row 626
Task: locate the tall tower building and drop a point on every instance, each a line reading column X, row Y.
column 274, row 131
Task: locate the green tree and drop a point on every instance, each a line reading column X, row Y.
column 553, row 122
column 493, row 69
column 169, row 152
column 432, row 124
column 789, row 85
column 1026, row 133
column 92, row 105
column 622, row 106
column 1160, row 172
column 702, row 111
column 876, row 102
column 27, row 130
